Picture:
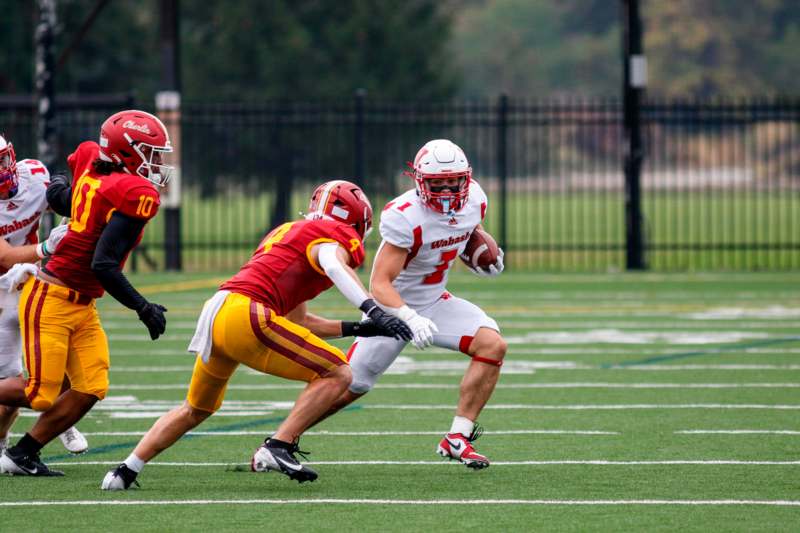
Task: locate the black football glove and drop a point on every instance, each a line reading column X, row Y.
column 388, row 325
column 60, row 179
column 152, row 315
column 365, row 328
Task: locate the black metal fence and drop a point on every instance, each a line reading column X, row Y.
column 720, row 184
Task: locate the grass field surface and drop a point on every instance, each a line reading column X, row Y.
column 628, row 402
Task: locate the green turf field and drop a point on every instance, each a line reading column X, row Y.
column 628, row 402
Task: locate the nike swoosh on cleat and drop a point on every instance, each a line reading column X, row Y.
column 453, row 444
column 281, row 462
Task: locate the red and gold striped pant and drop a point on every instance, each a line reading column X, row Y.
column 61, row 334
column 247, row 332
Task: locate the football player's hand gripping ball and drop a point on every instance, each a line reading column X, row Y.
column 493, row 270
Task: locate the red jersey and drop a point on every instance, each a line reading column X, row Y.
column 95, row 197
column 281, row 273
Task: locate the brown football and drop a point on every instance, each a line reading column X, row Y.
column 481, row 250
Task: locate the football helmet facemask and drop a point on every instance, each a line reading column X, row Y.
column 8, row 169
column 137, row 140
column 343, row 201
column 443, row 160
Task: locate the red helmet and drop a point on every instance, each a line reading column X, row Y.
column 343, row 201
column 8, row 169
column 136, row 140
column 441, row 159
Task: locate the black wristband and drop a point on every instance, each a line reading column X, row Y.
column 368, row 305
column 349, row 328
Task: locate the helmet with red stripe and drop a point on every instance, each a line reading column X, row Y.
column 136, row 140
column 343, row 201
column 441, row 174
column 8, row 169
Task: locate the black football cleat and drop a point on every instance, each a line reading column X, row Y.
column 20, row 464
column 279, row 459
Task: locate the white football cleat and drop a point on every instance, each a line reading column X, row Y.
column 121, row 478
column 74, row 441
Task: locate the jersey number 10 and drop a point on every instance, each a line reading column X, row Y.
column 82, row 197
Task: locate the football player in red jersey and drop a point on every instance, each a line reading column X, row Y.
column 259, row 318
column 112, row 197
column 23, row 186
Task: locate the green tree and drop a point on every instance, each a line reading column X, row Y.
column 537, row 49
column 309, row 49
column 717, row 47
column 246, row 50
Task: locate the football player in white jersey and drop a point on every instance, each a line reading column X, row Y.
column 23, row 185
column 424, row 230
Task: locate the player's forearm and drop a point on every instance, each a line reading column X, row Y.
column 117, row 285
column 385, row 294
column 11, row 255
column 117, row 240
column 323, row 327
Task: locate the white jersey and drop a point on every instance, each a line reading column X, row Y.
column 433, row 240
column 19, row 216
column 19, row 221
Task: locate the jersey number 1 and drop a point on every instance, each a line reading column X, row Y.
column 82, row 198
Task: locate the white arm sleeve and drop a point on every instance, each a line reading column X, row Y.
column 334, row 269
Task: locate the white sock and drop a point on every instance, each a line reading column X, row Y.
column 462, row 425
column 134, row 463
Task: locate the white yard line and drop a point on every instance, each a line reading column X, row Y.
column 692, row 368
column 590, row 407
column 356, row 433
column 576, row 462
column 351, row 502
column 579, row 323
column 737, row 432
column 440, row 386
column 634, row 324
column 455, row 367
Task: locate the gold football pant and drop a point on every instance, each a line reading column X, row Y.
column 61, row 334
column 247, row 332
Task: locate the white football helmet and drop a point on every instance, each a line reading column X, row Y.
column 441, row 159
column 8, row 169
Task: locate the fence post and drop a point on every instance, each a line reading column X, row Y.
column 502, row 166
column 168, row 104
column 45, row 92
column 635, row 79
column 359, row 139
